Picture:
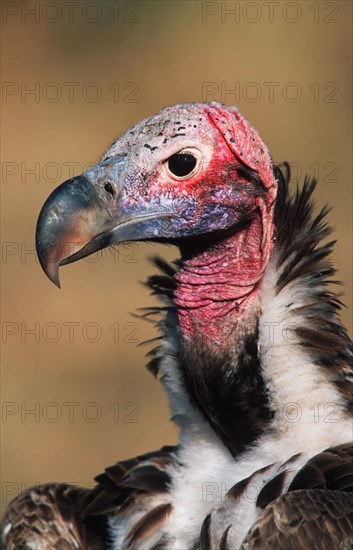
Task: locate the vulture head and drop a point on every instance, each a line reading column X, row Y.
column 197, row 175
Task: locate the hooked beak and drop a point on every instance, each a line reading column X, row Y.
column 88, row 213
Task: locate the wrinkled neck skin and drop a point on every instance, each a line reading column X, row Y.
column 217, row 288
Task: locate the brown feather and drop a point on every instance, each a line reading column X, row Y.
column 147, row 524
column 313, row 519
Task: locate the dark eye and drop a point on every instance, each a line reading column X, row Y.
column 181, row 164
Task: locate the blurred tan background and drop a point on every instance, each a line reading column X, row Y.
column 95, row 69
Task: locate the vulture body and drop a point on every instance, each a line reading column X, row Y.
column 255, row 361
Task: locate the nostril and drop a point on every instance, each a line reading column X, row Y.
column 109, row 189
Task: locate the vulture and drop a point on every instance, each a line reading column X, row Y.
column 255, row 361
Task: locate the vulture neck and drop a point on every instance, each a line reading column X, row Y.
column 283, row 350
column 217, row 286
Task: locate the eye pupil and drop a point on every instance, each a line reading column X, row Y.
column 181, row 164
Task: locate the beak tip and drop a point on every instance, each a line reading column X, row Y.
column 51, row 269
column 53, row 274
column 57, row 282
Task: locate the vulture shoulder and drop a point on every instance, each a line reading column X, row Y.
column 59, row 516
